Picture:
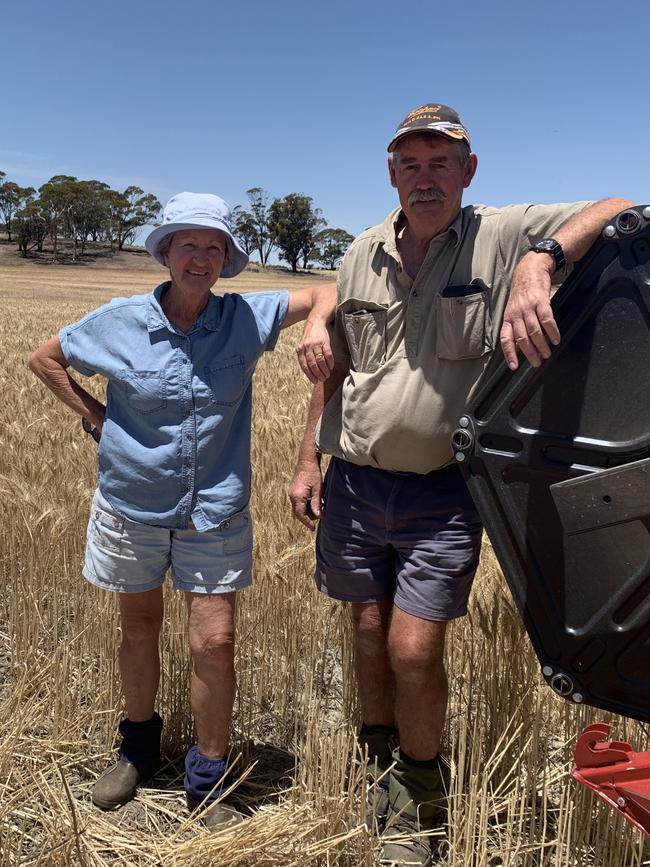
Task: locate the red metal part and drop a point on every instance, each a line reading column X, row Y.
column 616, row 773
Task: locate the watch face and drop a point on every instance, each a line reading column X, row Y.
column 547, row 245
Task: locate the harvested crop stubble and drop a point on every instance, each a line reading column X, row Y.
column 509, row 737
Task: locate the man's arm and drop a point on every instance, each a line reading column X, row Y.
column 306, row 489
column 50, row 365
column 528, row 322
column 316, row 304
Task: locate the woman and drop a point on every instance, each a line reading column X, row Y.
column 174, row 470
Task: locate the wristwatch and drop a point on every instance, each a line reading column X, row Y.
column 550, row 245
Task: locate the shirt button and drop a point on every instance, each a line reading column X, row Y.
column 415, row 294
column 226, row 524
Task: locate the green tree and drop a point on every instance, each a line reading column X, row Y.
column 12, row 198
column 30, row 228
column 257, row 223
column 294, row 222
column 243, row 227
column 329, row 247
column 129, row 211
column 55, row 199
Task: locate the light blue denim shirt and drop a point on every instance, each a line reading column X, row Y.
column 175, row 443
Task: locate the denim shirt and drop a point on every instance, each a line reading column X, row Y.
column 175, row 443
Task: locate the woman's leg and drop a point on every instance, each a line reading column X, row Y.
column 141, row 616
column 211, row 623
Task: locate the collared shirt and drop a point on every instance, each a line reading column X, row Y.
column 175, row 443
column 417, row 348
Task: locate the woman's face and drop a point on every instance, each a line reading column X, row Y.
column 195, row 259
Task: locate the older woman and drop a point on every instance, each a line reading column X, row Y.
column 174, row 471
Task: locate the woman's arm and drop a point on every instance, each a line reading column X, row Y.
column 50, row 365
column 316, row 304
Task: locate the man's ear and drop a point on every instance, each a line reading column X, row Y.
column 391, row 172
column 470, row 170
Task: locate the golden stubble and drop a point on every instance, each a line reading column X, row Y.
column 510, row 740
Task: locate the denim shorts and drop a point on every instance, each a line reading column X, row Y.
column 129, row 557
column 412, row 538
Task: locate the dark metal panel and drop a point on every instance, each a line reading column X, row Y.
column 558, row 461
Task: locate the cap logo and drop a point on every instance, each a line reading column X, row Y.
column 426, row 111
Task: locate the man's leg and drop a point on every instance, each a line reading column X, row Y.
column 416, row 649
column 375, row 681
column 375, row 686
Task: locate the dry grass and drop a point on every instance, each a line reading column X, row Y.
column 509, row 738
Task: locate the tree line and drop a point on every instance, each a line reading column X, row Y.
column 65, row 208
column 292, row 225
column 77, row 211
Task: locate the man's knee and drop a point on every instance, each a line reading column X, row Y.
column 371, row 622
column 417, row 656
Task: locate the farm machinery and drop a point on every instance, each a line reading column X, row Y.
column 557, row 459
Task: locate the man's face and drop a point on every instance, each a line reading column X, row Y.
column 430, row 180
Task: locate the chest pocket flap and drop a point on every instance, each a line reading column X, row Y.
column 463, row 322
column 364, row 323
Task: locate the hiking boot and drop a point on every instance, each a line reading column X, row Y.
column 377, row 803
column 117, row 785
column 378, row 742
column 417, row 811
column 216, row 816
column 410, row 841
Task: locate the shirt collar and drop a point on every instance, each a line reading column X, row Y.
column 389, row 230
column 210, row 317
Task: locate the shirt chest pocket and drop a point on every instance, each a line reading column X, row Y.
column 463, row 322
column 226, row 381
column 145, row 390
column 365, row 331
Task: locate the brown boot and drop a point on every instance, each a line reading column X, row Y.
column 139, row 760
column 216, row 816
column 116, row 786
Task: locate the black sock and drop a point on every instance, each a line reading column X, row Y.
column 377, row 730
column 419, row 763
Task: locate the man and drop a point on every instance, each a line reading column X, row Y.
column 421, row 299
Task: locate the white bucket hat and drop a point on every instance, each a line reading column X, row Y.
column 198, row 211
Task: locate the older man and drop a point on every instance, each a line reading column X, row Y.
column 422, row 300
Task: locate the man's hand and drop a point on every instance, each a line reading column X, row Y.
column 314, row 352
column 305, row 493
column 528, row 322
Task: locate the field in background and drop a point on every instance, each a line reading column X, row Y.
column 509, row 738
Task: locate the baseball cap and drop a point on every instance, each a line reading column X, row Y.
column 435, row 118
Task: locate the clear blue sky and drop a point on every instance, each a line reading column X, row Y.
column 304, row 97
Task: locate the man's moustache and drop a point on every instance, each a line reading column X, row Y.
column 426, row 196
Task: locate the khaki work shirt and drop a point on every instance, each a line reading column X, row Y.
column 417, row 348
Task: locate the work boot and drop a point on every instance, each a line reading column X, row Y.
column 139, row 760
column 407, row 840
column 216, row 816
column 203, row 788
column 378, row 742
column 417, row 811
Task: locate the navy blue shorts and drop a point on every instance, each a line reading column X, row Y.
column 412, row 538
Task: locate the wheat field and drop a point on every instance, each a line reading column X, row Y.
column 509, row 738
